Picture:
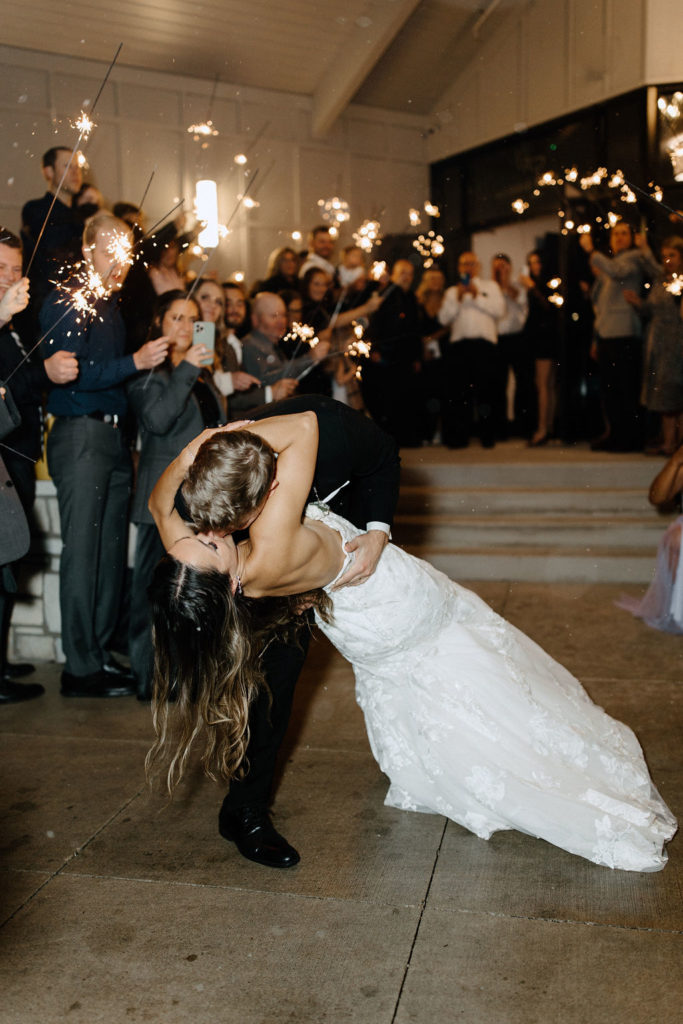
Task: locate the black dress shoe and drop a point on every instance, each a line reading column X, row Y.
column 252, row 831
column 12, row 693
column 95, row 684
column 18, row 669
column 115, row 669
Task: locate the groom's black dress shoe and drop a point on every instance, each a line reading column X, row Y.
column 251, row 830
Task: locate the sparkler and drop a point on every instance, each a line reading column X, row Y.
column 431, row 210
column 378, row 270
column 368, row 235
column 304, row 334
column 429, row 246
column 519, row 206
column 675, row 285
column 205, row 129
column 334, row 210
column 85, row 125
column 414, row 218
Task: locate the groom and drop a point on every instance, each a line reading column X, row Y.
column 351, row 449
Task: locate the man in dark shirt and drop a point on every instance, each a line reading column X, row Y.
column 61, row 240
column 89, row 459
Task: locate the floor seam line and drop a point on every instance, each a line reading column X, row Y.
column 423, row 907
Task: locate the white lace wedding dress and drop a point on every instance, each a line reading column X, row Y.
column 469, row 718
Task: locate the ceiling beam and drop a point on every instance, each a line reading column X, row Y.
column 361, row 51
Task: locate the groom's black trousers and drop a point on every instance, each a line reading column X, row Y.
column 268, row 721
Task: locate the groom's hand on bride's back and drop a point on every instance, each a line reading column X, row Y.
column 368, row 548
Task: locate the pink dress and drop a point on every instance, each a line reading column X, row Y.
column 662, row 605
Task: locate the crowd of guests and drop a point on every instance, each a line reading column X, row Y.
column 159, row 356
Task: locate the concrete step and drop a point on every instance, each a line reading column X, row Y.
column 529, row 532
column 539, row 500
column 542, row 566
column 574, row 475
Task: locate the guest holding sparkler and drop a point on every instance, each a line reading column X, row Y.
column 618, row 328
column 170, row 404
column 663, row 380
column 61, row 230
column 22, row 446
column 391, row 380
column 88, row 456
column 261, row 354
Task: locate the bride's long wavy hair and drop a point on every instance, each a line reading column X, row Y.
column 208, row 645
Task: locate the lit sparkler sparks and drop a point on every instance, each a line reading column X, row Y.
column 414, row 218
column 302, row 332
column 203, row 130
column 84, row 125
column 368, row 235
column 675, row 285
column 547, row 178
column 378, row 270
column 556, row 299
column 519, row 206
column 571, row 174
column 627, row 195
column 656, row 193
column 616, row 180
column 555, row 283
column 594, row 179
column 334, row 210
column 429, row 246
column 431, row 210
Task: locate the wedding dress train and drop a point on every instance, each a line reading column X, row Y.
column 471, row 719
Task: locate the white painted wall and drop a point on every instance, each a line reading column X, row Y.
column 375, row 159
column 551, row 57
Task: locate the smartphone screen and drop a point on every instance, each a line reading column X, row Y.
column 204, row 333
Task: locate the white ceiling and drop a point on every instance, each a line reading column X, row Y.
column 393, row 54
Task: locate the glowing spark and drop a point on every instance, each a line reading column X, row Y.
column 429, row 246
column 240, row 159
column 555, row 283
column 583, row 229
column 612, row 219
column 431, row 210
column 302, row 332
column 83, row 124
column 378, row 270
column 203, row 130
column 334, row 210
column 675, row 285
column 569, row 224
column 120, row 249
column 547, row 179
column 238, row 276
column 594, row 179
column 368, row 235
column 556, row 299
column 656, row 193
column 81, row 159
column 296, row 236
column 571, row 174
column 414, row 217
column 250, row 203
column 519, row 206
column 334, row 231
column 617, row 180
column 627, row 195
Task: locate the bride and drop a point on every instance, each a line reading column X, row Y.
column 466, row 715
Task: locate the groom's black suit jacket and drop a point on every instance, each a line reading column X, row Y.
column 350, row 447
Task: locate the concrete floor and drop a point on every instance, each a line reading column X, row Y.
column 117, row 906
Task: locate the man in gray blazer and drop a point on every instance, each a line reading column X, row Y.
column 14, row 543
column 260, row 355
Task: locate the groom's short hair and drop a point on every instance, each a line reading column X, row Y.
column 229, row 480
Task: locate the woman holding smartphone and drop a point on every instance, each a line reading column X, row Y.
column 172, row 404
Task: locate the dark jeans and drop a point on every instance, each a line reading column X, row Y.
column 470, row 372
column 514, row 354
column 620, row 363
column 89, row 462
